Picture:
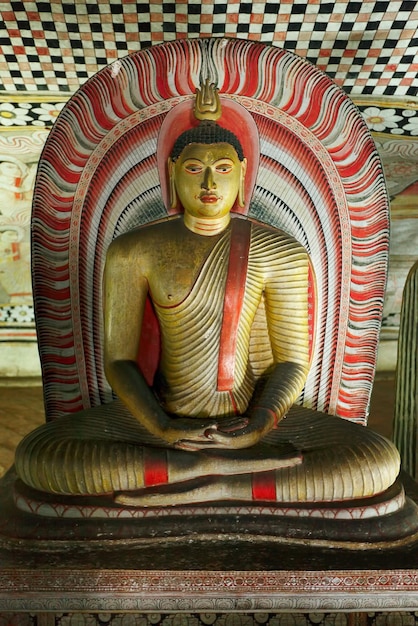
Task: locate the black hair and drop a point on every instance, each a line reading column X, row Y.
column 207, row 132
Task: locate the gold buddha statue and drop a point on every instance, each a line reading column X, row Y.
column 231, row 299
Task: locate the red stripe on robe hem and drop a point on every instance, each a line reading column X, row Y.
column 264, row 486
column 155, row 467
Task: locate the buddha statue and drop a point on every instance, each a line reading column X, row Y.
column 217, row 423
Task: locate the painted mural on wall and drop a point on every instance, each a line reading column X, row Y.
column 395, row 132
column 24, row 127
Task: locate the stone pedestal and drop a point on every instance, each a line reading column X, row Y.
column 234, row 572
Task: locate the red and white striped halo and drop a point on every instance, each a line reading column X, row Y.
column 319, row 178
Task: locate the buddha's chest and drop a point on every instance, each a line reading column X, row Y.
column 178, row 268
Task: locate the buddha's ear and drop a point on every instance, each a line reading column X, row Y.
column 172, row 183
column 241, row 190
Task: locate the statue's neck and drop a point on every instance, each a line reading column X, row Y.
column 208, row 227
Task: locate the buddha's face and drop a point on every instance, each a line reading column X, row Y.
column 207, row 179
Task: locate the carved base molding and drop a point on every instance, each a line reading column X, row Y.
column 209, row 619
column 56, row 590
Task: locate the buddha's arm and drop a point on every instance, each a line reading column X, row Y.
column 286, row 296
column 125, row 293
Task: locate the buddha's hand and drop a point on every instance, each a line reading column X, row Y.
column 236, row 433
column 190, row 429
column 201, row 438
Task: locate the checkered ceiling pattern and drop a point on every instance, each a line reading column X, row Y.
column 369, row 48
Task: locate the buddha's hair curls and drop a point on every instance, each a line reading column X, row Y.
column 207, row 132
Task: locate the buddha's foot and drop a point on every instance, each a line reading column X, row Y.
column 189, row 492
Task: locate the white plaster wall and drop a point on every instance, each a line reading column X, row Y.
column 19, row 362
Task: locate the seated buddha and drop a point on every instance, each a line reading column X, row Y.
column 217, row 423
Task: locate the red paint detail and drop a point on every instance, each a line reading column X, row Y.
column 272, row 413
column 311, row 309
column 264, row 486
column 100, row 119
column 412, row 190
column 161, row 77
column 149, row 344
column 17, row 334
column 233, row 402
column 15, row 250
column 18, row 183
column 234, row 294
column 155, row 467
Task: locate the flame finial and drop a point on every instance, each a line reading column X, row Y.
column 208, row 105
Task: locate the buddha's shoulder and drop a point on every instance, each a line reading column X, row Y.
column 148, row 236
column 265, row 232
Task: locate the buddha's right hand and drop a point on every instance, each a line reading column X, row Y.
column 201, row 438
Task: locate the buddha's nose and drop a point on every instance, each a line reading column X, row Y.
column 208, row 180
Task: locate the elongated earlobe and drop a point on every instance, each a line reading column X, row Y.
column 241, row 190
column 172, row 183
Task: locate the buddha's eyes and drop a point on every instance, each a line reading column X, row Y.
column 224, row 168
column 197, row 167
column 193, row 168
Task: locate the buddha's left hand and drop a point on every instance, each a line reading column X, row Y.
column 236, row 433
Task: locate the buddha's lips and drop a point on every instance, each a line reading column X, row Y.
column 209, row 198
